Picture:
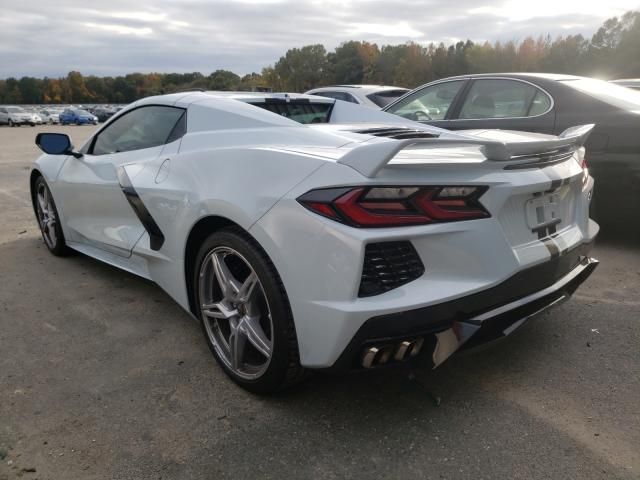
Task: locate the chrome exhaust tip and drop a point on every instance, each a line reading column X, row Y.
column 382, row 354
column 369, row 356
column 402, row 350
column 385, row 355
column 416, row 347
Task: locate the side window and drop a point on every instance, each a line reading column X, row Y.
column 144, row 127
column 179, row 129
column 349, row 98
column 541, row 104
column 335, row 95
column 501, row 98
column 344, row 96
column 430, row 103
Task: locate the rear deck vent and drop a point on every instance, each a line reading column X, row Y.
column 388, row 265
column 541, row 160
column 398, row 133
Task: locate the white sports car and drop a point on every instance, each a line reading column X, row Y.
column 309, row 233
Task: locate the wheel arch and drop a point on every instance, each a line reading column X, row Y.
column 35, row 174
column 198, row 233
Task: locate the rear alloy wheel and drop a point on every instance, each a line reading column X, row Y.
column 245, row 314
column 48, row 219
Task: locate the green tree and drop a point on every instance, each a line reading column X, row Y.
column 346, row 64
column 78, row 92
column 302, row 68
column 30, row 90
column 223, row 80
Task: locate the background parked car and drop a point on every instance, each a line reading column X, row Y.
column 103, row 114
column 78, row 117
column 374, row 96
column 16, row 116
column 628, row 82
column 49, row 115
column 548, row 103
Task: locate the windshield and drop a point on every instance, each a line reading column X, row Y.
column 15, row 110
column 615, row 95
column 385, row 97
column 301, row 112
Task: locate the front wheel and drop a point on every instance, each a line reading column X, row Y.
column 245, row 314
column 48, row 219
column 11, row 124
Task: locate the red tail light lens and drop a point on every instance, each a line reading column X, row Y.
column 367, row 207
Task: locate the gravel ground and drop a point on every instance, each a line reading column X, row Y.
column 103, row 376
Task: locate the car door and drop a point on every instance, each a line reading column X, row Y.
column 432, row 104
column 4, row 117
column 92, row 188
column 504, row 103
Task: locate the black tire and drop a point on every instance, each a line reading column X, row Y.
column 59, row 248
column 284, row 369
column 11, row 124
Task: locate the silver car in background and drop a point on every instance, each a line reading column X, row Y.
column 373, row 96
column 50, row 115
column 16, row 116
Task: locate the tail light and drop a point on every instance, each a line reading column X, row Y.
column 396, row 206
column 582, row 160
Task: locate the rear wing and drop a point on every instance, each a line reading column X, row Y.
column 369, row 158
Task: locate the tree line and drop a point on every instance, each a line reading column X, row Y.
column 612, row 52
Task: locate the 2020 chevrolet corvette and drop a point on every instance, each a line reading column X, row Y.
column 309, row 233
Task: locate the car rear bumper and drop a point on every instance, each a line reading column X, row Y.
column 437, row 331
column 324, row 264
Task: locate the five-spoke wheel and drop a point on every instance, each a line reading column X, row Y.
column 48, row 218
column 236, row 312
column 245, row 312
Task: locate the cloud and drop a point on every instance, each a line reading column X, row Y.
column 119, row 36
column 120, row 29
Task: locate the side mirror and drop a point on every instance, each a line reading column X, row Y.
column 56, row 144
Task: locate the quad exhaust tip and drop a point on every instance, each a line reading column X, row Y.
column 379, row 355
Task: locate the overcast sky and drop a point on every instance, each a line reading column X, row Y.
column 111, row 37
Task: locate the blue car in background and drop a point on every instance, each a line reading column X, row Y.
column 77, row 117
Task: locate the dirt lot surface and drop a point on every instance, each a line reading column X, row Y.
column 103, row 376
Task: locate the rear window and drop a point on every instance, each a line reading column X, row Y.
column 615, row 95
column 385, row 97
column 301, row 112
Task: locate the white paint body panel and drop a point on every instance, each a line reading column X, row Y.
column 249, row 165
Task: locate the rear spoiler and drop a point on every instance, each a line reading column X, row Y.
column 369, row 158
